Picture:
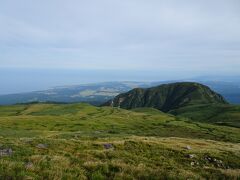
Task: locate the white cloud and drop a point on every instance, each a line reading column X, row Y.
column 132, row 34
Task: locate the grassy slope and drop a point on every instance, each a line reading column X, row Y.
column 144, row 147
column 212, row 113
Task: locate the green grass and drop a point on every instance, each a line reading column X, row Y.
column 228, row 115
column 147, row 144
column 11, row 110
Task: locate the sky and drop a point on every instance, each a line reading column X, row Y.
column 163, row 39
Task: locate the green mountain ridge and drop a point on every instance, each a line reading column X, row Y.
column 167, row 97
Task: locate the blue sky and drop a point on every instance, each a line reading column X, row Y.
column 170, row 36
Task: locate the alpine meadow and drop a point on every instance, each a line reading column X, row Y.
column 119, row 90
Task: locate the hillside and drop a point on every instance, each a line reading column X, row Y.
column 221, row 114
column 167, row 97
column 62, row 119
column 80, row 141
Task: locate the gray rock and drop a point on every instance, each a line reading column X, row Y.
column 29, row 165
column 191, row 156
column 108, row 146
column 6, row 152
column 188, row 147
column 42, row 146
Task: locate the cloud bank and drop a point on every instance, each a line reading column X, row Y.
column 123, row 34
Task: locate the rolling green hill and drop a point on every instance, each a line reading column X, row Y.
column 80, row 141
column 221, row 114
column 167, row 97
column 190, row 100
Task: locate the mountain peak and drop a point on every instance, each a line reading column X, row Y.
column 167, row 97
